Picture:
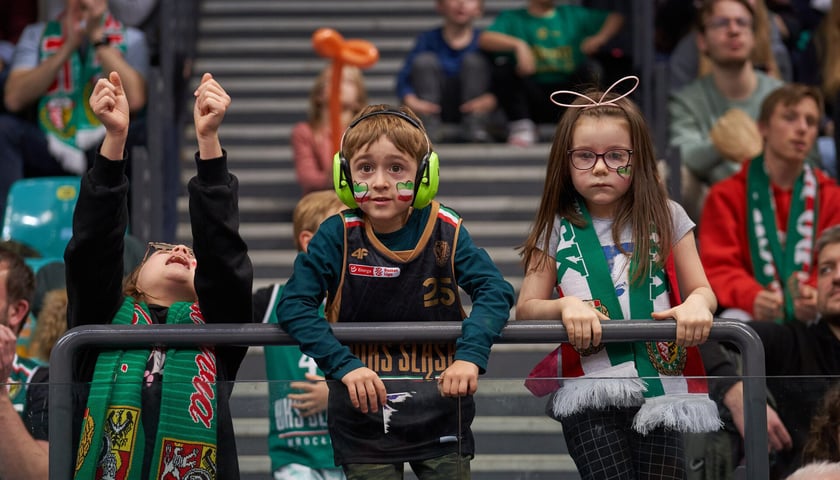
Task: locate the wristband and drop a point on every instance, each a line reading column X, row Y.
column 102, row 42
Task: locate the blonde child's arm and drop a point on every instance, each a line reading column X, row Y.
column 694, row 315
column 582, row 322
column 365, row 388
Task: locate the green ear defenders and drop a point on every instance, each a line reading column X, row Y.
column 428, row 171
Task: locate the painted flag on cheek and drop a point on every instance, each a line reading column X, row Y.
column 360, row 192
column 405, row 191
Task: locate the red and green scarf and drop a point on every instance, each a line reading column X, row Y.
column 113, row 440
column 665, row 380
column 64, row 113
column 778, row 265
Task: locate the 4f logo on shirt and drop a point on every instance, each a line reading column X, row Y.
column 359, row 253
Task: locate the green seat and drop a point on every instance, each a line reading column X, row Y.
column 39, row 213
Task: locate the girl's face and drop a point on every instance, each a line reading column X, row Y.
column 601, row 186
column 383, row 184
column 168, row 274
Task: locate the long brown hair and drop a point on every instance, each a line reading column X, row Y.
column 644, row 206
column 318, row 100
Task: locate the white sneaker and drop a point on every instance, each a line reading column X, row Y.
column 522, row 133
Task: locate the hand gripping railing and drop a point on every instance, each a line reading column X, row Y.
column 543, row 331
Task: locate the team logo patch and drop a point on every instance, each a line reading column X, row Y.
column 371, row 271
column 118, row 442
column 667, row 358
column 442, row 252
column 187, row 461
column 593, row 349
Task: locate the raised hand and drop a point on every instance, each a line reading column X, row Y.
column 110, row 105
column 211, row 103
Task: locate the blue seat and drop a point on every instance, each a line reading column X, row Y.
column 39, row 213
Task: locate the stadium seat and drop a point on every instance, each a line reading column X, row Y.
column 39, row 213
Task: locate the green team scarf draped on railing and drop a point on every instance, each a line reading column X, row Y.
column 64, row 113
column 666, row 397
column 776, row 266
column 112, row 439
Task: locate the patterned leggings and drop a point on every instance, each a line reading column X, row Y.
column 604, row 446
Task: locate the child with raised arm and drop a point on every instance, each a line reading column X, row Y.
column 395, row 256
column 161, row 412
column 603, row 234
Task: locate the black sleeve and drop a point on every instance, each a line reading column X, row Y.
column 36, row 418
column 94, row 255
column 224, row 275
column 781, row 355
column 721, row 369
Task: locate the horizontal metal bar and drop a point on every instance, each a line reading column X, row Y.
column 542, row 331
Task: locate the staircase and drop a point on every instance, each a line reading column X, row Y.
column 260, row 51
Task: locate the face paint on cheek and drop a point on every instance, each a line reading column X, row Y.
column 624, row 172
column 360, row 192
column 405, row 191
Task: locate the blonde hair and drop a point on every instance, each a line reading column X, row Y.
column 317, row 99
column 313, row 209
column 51, row 324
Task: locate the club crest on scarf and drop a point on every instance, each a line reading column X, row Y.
column 118, row 443
column 667, row 358
column 187, row 461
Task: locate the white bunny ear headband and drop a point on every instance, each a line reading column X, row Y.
column 600, row 102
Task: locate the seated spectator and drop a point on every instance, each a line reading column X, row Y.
column 54, row 68
column 297, row 389
column 759, row 227
column 312, row 140
column 23, row 410
column 541, row 49
column 791, row 350
column 770, row 54
column 712, row 119
column 14, row 17
column 446, row 78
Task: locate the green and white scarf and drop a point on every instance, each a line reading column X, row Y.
column 64, row 113
column 777, row 265
column 667, row 398
column 113, row 440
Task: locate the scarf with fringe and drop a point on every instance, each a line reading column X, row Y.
column 665, row 380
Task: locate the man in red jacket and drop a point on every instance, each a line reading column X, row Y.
column 758, row 227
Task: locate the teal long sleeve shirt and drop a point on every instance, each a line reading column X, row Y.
column 318, row 271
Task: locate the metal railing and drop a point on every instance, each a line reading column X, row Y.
column 126, row 336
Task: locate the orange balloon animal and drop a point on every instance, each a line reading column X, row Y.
column 329, row 43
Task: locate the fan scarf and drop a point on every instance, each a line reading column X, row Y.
column 113, row 441
column 777, row 266
column 666, row 397
column 63, row 112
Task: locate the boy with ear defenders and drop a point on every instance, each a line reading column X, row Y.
column 395, row 256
